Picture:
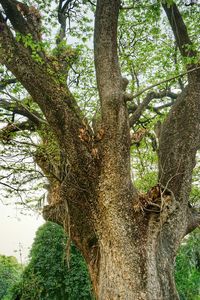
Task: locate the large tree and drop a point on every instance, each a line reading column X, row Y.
column 129, row 239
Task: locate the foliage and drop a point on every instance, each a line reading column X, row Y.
column 10, row 272
column 187, row 271
column 48, row 270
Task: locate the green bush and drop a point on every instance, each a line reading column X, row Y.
column 187, row 270
column 47, row 276
column 10, row 273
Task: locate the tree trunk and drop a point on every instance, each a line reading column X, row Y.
column 132, row 254
column 129, row 240
column 136, row 260
column 135, row 254
column 136, row 276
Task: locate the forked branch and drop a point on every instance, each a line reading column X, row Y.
column 41, row 82
column 149, row 97
column 179, row 29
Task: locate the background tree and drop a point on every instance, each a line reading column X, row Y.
column 10, row 274
column 48, row 271
column 125, row 228
column 187, row 273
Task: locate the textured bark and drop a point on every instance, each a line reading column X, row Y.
column 179, row 29
column 129, row 249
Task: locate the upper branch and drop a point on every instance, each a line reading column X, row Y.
column 179, row 29
column 105, row 49
column 5, row 82
column 14, row 15
column 149, row 97
column 18, row 108
column 111, row 87
column 24, row 19
column 40, row 81
column 62, row 17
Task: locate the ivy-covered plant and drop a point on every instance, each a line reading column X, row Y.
column 50, row 273
column 10, row 272
column 187, row 271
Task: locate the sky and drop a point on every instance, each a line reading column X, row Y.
column 17, row 231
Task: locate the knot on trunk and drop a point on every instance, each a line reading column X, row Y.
column 137, row 136
column 55, row 213
column 57, row 209
column 159, row 200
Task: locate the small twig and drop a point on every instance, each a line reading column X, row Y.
column 151, row 210
column 150, row 96
column 164, row 81
column 127, row 7
column 67, row 228
column 91, row 3
column 11, row 187
column 166, row 189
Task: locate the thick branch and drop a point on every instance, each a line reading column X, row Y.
column 179, row 141
column 149, row 97
column 7, row 131
column 18, row 108
column 5, row 82
column 111, row 85
column 179, row 29
column 105, row 50
column 65, row 120
column 24, row 19
column 14, row 15
column 193, row 219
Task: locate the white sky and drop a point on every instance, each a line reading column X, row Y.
column 17, row 231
